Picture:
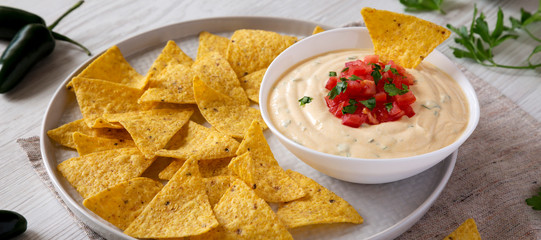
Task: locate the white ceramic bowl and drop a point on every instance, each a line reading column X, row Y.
column 350, row 169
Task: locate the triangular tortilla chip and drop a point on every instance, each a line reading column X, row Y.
column 173, row 85
column 222, row 112
column 254, row 141
column 257, row 167
column 405, row 39
column 64, row 134
column 180, row 209
column 97, row 97
column 112, row 66
column 214, row 70
column 216, row 187
column 208, row 168
column 122, row 203
column 197, row 141
column 317, row 30
column 466, row 231
column 95, row 172
column 251, row 84
column 251, row 50
column 267, row 178
column 86, row 144
column 209, row 42
column 151, row 130
column 319, row 206
column 171, row 54
column 243, row 215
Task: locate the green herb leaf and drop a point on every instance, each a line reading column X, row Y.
column 353, row 77
column 339, row 88
column 389, row 106
column 387, row 68
column 376, row 72
column 479, row 42
column 332, row 74
column 535, row 201
column 369, row 103
column 392, row 90
column 351, row 108
column 423, row 5
column 345, row 69
column 305, row 100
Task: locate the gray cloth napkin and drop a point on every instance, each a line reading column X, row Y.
column 31, row 147
column 497, row 168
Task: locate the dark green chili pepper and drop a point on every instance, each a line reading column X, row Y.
column 13, row 19
column 32, row 43
column 11, row 224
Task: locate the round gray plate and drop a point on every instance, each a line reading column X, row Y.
column 388, row 209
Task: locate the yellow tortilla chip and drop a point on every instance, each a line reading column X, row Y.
column 216, row 187
column 222, row 112
column 251, row 50
column 172, row 85
column 86, row 144
column 171, row 54
column 404, row 39
column 317, row 30
column 251, row 84
column 208, row 168
column 122, row 203
column 200, row 142
column 466, row 231
column 319, row 206
column 180, row 209
column 209, row 42
column 243, row 215
column 256, row 166
column 95, row 172
column 214, row 70
column 255, row 142
column 151, row 130
column 112, row 66
column 97, row 97
column 266, row 178
column 64, row 134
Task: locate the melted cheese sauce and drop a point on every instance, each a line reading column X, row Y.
column 441, row 112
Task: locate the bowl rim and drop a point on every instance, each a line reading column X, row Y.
column 465, row 86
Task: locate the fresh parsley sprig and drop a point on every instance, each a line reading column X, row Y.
column 423, row 5
column 526, row 19
column 479, row 42
column 535, row 201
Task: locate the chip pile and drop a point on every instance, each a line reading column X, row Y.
column 149, row 164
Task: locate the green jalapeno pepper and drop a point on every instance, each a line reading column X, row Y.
column 13, row 19
column 12, row 224
column 31, row 43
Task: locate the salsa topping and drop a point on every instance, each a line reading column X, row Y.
column 369, row 91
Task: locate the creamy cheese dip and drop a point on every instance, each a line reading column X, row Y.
column 441, row 112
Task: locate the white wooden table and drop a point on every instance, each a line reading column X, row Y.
column 99, row 24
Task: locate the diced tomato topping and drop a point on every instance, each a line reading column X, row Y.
column 361, row 86
column 331, row 83
column 381, row 97
column 371, row 59
column 353, row 120
column 405, row 99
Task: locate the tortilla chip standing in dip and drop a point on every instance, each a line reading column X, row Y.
column 405, row 39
